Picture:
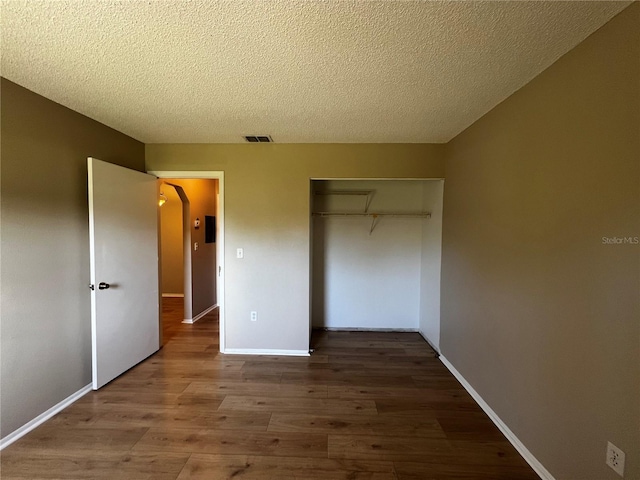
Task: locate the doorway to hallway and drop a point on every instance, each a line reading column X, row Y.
column 192, row 248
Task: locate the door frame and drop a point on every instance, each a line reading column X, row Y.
column 210, row 175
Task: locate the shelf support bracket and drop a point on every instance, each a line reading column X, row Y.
column 374, row 222
column 367, row 201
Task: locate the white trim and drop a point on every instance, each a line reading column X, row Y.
column 92, row 276
column 173, row 295
column 200, row 315
column 366, row 329
column 375, row 178
column 43, row 417
column 220, row 239
column 265, row 351
column 213, row 174
column 515, row 441
column 436, row 349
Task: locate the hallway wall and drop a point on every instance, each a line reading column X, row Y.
column 171, row 243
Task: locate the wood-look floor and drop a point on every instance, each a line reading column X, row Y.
column 365, row 405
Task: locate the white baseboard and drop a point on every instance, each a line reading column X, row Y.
column 200, row 315
column 261, row 351
column 366, row 329
column 436, row 349
column 515, row 441
column 173, row 295
column 43, row 417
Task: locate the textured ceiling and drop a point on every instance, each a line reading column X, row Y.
column 299, row 70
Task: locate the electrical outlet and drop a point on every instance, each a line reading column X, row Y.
column 254, row 316
column 615, row 458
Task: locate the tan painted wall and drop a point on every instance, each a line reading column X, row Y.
column 171, row 242
column 267, row 213
column 538, row 314
column 46, row 326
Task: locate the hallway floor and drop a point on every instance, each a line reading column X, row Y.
column 365, row 405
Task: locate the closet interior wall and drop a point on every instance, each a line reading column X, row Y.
column 376, row 273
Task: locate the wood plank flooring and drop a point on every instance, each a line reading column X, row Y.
column 365, row 405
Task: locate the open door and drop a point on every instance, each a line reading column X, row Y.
column 123, row 232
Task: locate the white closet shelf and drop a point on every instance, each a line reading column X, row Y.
column 374, row 216
column 345, row 192
column 369, row 214
column 366, row 213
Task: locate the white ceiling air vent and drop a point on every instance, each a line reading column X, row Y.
column 258, row 138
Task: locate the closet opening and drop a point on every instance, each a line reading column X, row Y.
column 376, row 249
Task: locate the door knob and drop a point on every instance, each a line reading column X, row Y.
column 103, row 286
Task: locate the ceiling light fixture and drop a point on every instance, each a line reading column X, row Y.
column 162, row 200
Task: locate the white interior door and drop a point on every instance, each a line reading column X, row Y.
column 123, row 230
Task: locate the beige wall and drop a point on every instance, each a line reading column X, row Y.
column 46, row 326
column 267, row 213
column 538, row 314
column 171, row 242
